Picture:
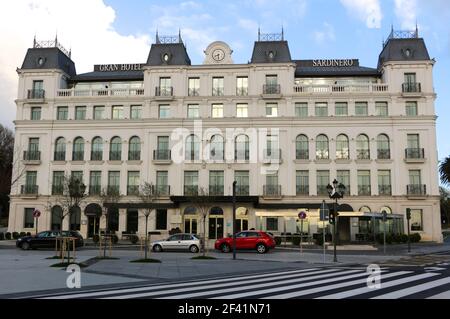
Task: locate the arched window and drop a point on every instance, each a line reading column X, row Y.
column 216, row 223
column 56, row 218
column 383, row 147
column 342, row 147
column 60, row 149
column 75, row 218
column 242, row 148
column 115, row 149
column 78, row 149
column 134, row 149
column 302, row 147
column 362, row 147
column 365, row 209
column 97, row 149
column 192, row 148
column 217, row 148
column 322, row 147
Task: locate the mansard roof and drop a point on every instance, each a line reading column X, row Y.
column 271, row 52
column 48, row 58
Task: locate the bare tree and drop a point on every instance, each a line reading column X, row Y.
column 148, row 195
column 6, row 166
column 202, row 202
column 109, row 197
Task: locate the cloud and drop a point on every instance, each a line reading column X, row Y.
column 327, row 34
column 85, row 26
column 368, row 11
column 249, row 25
column 406, row 12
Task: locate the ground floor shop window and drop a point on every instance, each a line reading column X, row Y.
column 132, row 221
column 241, row 224
column 416, row 220
column 28, row 218
column 161, row 219
column 75, row 218
column 56, row 221
column 272, row 223
column 216, row 223
column 113, row 219
column 190, row 220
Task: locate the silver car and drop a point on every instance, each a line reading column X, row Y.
column 186, row 242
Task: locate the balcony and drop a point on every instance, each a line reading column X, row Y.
column 194, row 92
column 57, row 189
column 302, row 190
column 242, row 190
column 162, row 157
column 216, row 190
column 113, row 190
column 241, row 91
column 59, row 156
column 36, row 95
column 272, row 156
column 384, row 190
column 115, row 156
column 33, row 157
column 132, row 190
column 384, row 154
column 96, row 156
column 272, row 190
column 218, row 91
column 412, row 89
column 322, row 155
column 364, row 190
column 190, row 190
column 78, row 156
column 342, row 155
column 302, row 154
column 363, row 155
column 163, row 190
column 415, row 155
column 340, row 89
column 29, row 190
column 271, row 91
column 416, row 190
column 322, row 190
column 164, row 93
column 95, row 190
column 99, row 93
column 134, row 155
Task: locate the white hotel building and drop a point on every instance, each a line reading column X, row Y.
column 282, row 128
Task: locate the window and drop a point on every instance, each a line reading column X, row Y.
column 132, row 221
column 164, row 111
column 75, row 218
column 242, row 110
column 133, row 183
column 97, row 149
column 77, row 175
column 416, row 220
column 165, row 87
column 217, row 148
column 341, row 109
column 322, row 109
column 343, row 176
column 216, row 182
column 362, row 147
column 28, row 218
column 271, row 110
column 80, row 113
column 361, row 109
column 60, row 149
column 193, row 111
column 163, row 143
column 381, row 109
column 301, row 110
column 242, row 86
column 56, row 219
column 411, row 109
column 134, row 149
column 415, row 177
column 323, row 180
column 218, row 87
column 243, row 183
column 58, row 183
column 384, row 183
column 302, row 183
column 342, row 147
column 136, row 112
column 302, row 147
column 271, row 86
column 161, row 219
column 192, row 148
column 63, row 112
column 364, row 183
column 35, row 113
column 162, row 183
column 194, row 86
column 33, row 153
column 78, row 149
column 272, row 224
column 30, row 183
column 190, row 182
column 117, row 112
column 242, row 148
column 217, row 111
column 115, row 151
column 95, row 183
column 113, row 182
column 38, row 85
column 322, row 147
column 99, row 112
column 383, row 147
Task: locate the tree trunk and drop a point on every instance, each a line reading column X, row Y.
column 204, row 236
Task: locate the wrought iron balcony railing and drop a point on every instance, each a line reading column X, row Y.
column 36, row 94
column 164, row 91
column 161, row 155
column 416, row 190
column 242, row 190
column 216, row 190
column 134, row 155
column 132, row 190
column 78, row 156
column 242, row 91
column 363, row 154
column 384, row 190
column 163, row 190
column 322, row 155
column 302, row 154
column 95, row 190
column 322, row 190
column 115, row 156
column 57, row 189
column 342, row 155
column 59, row 156
column 29, row 189
column 364, row 190
column 193, row 92
column 272, row 190
column 302, row 190
column 190, row 190
column 96, row 155
column 113, row 190
column 272, row 89
column 415, row 153
column 412, row 87
column 384, row 154
column 32, row 155
column 218, row 92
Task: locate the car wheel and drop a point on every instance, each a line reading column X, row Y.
column 26, row 246
column 225, row 248
column 157, row 248
column 261, row 248
column 193, row 249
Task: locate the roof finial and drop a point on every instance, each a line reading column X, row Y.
column 34, row 41
column 157, row 37
column 70, row 53
column 179, row 36
column 259, row 33
column 56, row 39
column 282, row 33
column 417, row 29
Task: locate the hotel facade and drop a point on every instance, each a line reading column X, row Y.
column 283, row 129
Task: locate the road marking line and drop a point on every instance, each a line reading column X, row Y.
column 414, row 289
column 444, row 295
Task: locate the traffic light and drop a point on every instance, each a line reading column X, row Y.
column 332, row 218
column 408, row 213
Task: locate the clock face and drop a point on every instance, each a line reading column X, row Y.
column 218, row 55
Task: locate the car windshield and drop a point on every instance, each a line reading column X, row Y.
column 42, row 235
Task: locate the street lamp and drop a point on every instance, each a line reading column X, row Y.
column 335, row 192
column 146, row 214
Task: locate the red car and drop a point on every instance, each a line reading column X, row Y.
column 258, row 240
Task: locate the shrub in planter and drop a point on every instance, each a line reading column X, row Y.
column 278, row 241
column 296, row 241
column 415, row 238
column 2, row 236
column 22, row 234
column 28, row 234
column 404, row 238
column 15, row 235
column 95, row 239
column 134, row 239
column 8, row 236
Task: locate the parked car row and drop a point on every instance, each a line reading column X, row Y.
column 47, row 239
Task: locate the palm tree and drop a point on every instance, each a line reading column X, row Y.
column 444, row 170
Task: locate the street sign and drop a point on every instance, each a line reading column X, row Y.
column 36, row 213
column 302, row 215
column 324, row 212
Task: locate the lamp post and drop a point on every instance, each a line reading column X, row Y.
column 335, row 192
column 146, row 214
column 234, row 220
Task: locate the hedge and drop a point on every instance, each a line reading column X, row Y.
column 8, row 236
column 2, row 236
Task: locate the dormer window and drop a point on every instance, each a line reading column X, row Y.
column 271, row 55
column 408, row 53
column 166, row 57
column 41, row 61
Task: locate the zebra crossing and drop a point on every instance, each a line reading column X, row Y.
column 312, row 283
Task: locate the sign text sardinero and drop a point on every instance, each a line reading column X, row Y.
column 118, row 67
column 335, row 63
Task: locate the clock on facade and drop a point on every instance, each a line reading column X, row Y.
column 218, row 55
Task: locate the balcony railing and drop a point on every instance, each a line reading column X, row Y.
column 384, row 190
column 216, row 190
column 412, row 87
column 115, row 156
column 363, row 154
column 271, row 89
column 101, row 92
column 190, row 190
column 364, row 190
column 242, row 155
column 96, row 155
column 415, row 153
column 193, row 92
column 132, row 190
column 164, row 91
column 322, row 155
column 192, row 156
column 161, row 155
column 241, row 91
column 32, row 156
column 29, row 189
column 242, row 190
column 163, row 190
column 322, row 190
column 342, row 155
column 59, row 156
column 272, row 190
column 218, row 92
column 36, row 94
column 113, row 190
column 341, row 89
column 134, row 155
column 57, row 189
column 95, row 190
column 78, row 156
column 302, row 190
column 302, row 154
column 384, row 154
column 416, row 190
column 272, row 154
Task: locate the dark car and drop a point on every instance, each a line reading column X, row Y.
column 47, row 239
column 258, row 240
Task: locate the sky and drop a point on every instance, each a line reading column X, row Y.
column 118, row 31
